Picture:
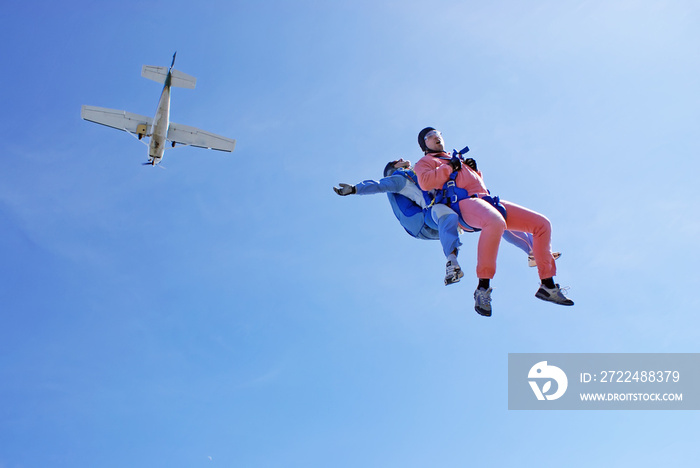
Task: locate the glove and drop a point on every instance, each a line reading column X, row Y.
column 456, row 163
column 345, row 189
column 471, row 163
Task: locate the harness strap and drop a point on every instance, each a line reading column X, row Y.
column 496, row 203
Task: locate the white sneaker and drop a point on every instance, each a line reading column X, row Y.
column 482, row 301
column 531, row 259
column 453, row 272
column 555, row 295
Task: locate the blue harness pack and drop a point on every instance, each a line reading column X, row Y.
column 412, row 217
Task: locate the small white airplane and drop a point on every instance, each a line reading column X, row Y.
column 159, row 129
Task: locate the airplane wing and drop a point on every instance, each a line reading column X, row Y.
column 191, row 136
column 118, row 119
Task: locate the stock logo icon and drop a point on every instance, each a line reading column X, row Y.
column 541, row 372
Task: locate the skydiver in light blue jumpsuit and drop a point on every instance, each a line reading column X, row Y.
column 415, row 211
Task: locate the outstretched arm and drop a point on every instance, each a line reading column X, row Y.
column 369, row 187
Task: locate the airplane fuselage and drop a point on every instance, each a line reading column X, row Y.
column 161, row 122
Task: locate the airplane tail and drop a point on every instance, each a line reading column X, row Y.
column 178, row 79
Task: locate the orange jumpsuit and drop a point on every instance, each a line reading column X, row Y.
column 433, row 170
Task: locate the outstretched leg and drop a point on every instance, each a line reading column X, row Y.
column 522, row 219
column 481, row 214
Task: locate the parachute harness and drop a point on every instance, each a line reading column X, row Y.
column 450, row 195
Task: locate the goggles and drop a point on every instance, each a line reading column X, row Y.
column 432, row 133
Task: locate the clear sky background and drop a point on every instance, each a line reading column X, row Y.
column 233, row 311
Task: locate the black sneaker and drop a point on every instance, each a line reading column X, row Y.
column 555, row 295
column 482, row 301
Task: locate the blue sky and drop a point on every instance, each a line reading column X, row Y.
column 231, row 310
